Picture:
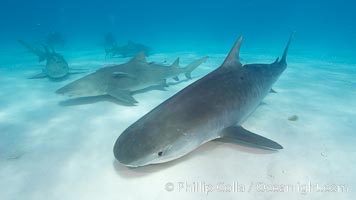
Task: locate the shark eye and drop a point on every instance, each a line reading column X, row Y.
column 160, row 153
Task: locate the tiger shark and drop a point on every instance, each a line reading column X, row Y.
column 213, row 107
column 121, row 81
column 56, row 66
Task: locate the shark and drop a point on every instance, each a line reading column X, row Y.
column 212, row 108
column 109, row 41
column 54, row 39
column 121, row 81
column 56, row 66
column 128, row 50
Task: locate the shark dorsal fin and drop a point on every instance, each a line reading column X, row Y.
column 140, row 57
column 175, row 63
column 284, row 57
column 233, row 58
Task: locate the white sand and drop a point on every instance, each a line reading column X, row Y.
column 51, row 151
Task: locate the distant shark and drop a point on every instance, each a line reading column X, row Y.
column 121, row 81
column 109, row 40
column 56, row 66
column 54, row 39
column 128, row 50
column 211, row 108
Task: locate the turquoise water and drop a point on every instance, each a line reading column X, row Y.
column 52, row 147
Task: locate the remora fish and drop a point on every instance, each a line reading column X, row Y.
column 56, row 66
column 120, row 81
column 213, row 107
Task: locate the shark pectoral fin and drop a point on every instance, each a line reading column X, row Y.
column 272, row 91
column 176, row 78
column 40, row 75
column 122, row 95
column 241, row 134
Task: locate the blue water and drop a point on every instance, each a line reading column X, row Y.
column 321, row 25
column 51, row 148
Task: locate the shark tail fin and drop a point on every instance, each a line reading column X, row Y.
column 41, row 55
column 192, row 66
column 284, row 57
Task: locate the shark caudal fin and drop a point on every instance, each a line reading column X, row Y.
column 284, row 57
column 192, row 66
column 41, row 55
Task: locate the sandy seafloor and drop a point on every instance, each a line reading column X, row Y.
column 53, row 149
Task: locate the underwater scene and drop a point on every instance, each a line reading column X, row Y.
column 229, row 99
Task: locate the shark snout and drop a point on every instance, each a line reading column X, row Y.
column 133, row 151
column 123, row 153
